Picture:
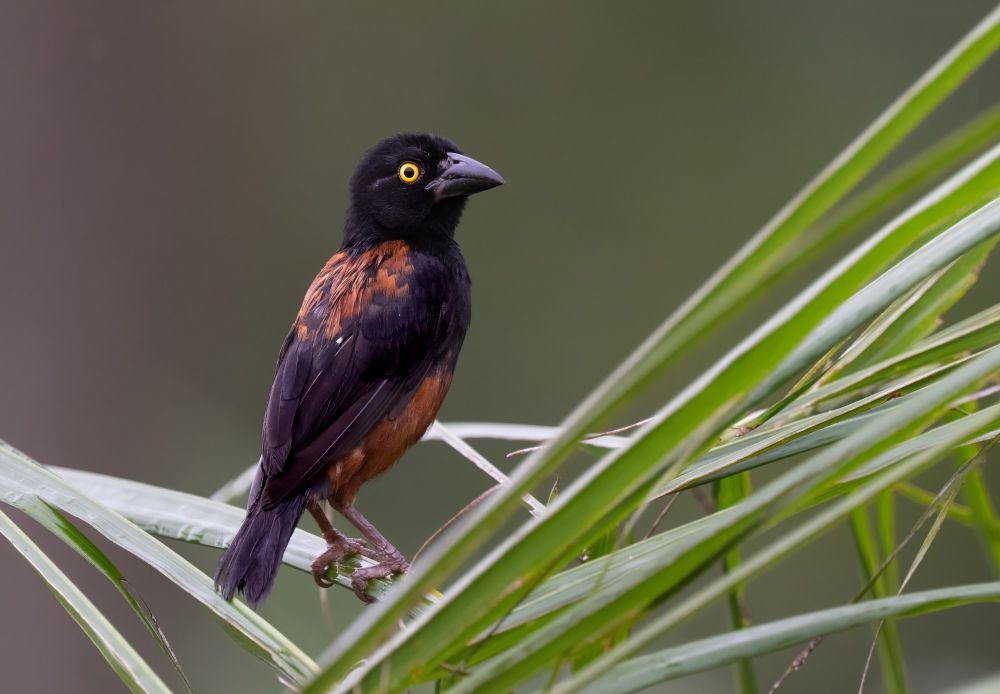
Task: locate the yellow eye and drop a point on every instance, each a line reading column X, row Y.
column 409, row 172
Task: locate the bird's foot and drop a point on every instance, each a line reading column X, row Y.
column 393, row 563
column 335, row 551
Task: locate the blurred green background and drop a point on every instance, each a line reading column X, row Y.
column 172, row 175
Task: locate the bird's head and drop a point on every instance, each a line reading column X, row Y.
column 413, row 185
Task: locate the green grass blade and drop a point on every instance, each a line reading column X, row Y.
column 920, row 319
column 634, row 591
column 579, row 582
column 986, row 522
column 805, row 531
column 977, row 332
column 867, row 302
column 944, row 500
column 724, row 292
column 134, row 672
column 731, row 491
column 957, row 512
column 889, row 645
column 798, row 436
column 706, row 654
column 984, row 516
column 780, row 438
column 23, row 479
column 60, row 526
column 904, row 181
column 885, row 508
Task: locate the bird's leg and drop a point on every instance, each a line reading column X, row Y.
column 392, row 560
column 338, row 545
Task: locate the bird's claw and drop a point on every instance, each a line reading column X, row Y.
column 390, row 566
column 336, row 551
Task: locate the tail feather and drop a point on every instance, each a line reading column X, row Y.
column 251, row 563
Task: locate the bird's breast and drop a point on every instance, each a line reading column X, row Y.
column 389, row 439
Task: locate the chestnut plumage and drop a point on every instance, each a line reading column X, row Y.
column 367, row 363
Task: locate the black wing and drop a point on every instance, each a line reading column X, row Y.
column 332, row 387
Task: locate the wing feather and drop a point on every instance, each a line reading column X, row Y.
column 329, row 391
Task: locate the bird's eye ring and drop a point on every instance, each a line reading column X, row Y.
column 409, row 172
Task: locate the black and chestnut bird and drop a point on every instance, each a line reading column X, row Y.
column 367, row 363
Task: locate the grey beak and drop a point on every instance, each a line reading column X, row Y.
column 461, row 175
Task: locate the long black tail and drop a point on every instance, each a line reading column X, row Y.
column 251, row 563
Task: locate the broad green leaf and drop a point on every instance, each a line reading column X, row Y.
column 749, row 269
column 127, row 664
column 22, row 481
column 706, row 654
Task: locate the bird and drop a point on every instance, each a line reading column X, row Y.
column 367, row 362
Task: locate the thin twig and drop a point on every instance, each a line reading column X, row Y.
column 942, row 501
column 536, row 507
column 660, row 516
column 465, row 509
column 702, row 498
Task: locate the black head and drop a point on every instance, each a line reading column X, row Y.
column 413, row 185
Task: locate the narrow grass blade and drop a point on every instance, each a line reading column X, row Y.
column 634, row 591
column 977, row 332
column 985, row 519
column 800, row 534
column 706, row 654
column 797, row 436
column 731, row 491
column 920, row 318
column 944, row 500
column 472, row 455
column 575, row 584
column 889, row 646
column 127, row 664
column 905, row 181
column 60, row 526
